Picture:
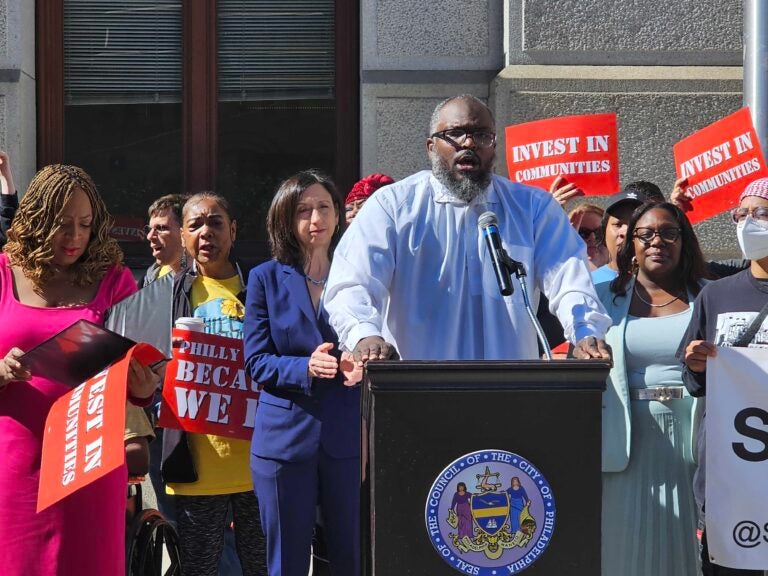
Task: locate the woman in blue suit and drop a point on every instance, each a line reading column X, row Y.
column 306, row 439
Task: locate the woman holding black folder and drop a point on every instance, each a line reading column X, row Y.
column 59, row 266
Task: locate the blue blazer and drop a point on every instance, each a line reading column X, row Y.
column 297, row 415
column 617, row 415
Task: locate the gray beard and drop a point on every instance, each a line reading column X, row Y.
column 465, row 189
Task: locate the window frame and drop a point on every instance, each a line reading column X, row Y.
column 200, row 90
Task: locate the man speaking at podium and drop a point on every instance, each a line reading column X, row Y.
column 413, row 275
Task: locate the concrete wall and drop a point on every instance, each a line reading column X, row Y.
column 413, row 55
column 656, row 107
column 666, row 68
column 17, row 88
column 640, row 32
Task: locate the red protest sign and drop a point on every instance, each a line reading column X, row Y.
column 84, row 430
column 582, row 149
column 719, row 161
column 206, row 389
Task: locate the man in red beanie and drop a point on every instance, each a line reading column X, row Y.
column 361, row 191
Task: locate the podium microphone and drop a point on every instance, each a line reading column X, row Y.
column 503, row 266
column 489, row 225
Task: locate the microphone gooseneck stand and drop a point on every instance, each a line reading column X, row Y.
column 517, row 268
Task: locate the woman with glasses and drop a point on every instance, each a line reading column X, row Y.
column 649, row 513
column 722, row 312
column 587, row 220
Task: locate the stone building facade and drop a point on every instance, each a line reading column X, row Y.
column 667, row 69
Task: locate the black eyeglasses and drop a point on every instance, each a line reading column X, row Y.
column 585, row 233
column 160, row 229
column 458, row 136
column 668, row 235
column 759, row 213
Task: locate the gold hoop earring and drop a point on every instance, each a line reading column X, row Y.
column 635, row 266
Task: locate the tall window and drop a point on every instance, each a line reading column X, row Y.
column 154, row 97
column 122, row 101
column 276, row 74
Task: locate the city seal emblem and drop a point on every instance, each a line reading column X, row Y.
column 490, row 512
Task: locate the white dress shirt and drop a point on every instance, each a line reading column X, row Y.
column 413, row 268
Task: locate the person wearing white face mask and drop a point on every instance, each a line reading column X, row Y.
column 752, row 230
column 722, row 312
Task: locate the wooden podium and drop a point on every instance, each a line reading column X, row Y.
column 427, row 425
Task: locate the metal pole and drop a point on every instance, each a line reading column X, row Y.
column 756, row 66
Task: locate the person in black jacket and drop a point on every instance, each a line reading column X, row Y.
column 721, row 311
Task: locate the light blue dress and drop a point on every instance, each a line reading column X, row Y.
column 649, row 514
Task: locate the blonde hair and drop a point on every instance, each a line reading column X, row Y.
column 586, row 208
column 30, row 239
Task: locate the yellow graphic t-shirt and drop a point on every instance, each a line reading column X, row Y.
column 222, row 463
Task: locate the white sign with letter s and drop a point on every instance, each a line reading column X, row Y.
column 737, row 458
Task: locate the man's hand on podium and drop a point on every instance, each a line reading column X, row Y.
column 374, row 348
column 591, row 347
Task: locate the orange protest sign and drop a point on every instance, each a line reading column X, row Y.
column 206, row 389
column 582, row 149
column 84, row 430
column 719, row 161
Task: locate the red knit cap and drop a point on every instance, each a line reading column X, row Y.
column 757, row 187
column 364, row 187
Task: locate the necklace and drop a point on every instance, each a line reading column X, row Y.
column 316, row 282
column 644, row 301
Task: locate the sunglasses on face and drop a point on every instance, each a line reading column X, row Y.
column 585, row 233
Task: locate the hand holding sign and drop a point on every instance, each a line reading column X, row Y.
column 718, row 162
column 11, row 369
column 562, row 190
column 581, row 149
column 142, row 381
column 84, row 430
column 680, row 196
column 696, row 355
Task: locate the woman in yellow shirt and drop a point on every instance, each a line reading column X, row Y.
column 208, row 474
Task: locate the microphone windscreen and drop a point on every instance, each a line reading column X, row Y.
column 487, row 219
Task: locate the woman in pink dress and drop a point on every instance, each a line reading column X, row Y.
column 59, row 266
